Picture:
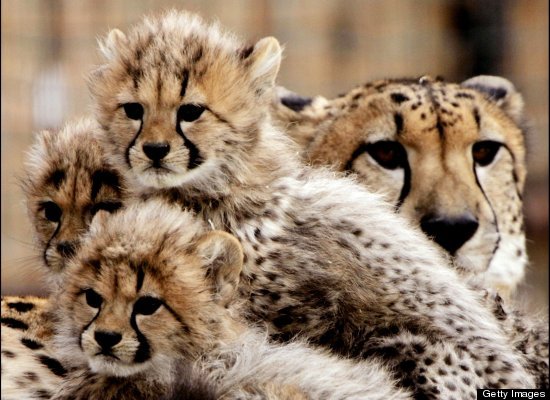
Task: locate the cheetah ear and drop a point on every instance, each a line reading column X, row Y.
column 110, row 47
column 264, row 61
column 223, row 257
column 501, row 91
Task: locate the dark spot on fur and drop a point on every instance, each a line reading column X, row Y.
column 53, row 365
column 428, row 361
column 419, row 348
column 421, row 379
column 56, row 178
column 407, row 365
column 31, row 344
column 448, row 360
column 245, row 52
column 107, row 178
column 30, row 376
column 21, row 306
column 477, row 117
column 8, row 354
column 464, row 95
column 184, row 82
column 399, row 98
column 14, row 323
column 423, row 116
column 398, row 119
column 450, row 386
column 43, row 394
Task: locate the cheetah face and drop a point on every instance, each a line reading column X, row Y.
column 450, row 157
column 181, row 105
column 67, row 182
column 136, row 301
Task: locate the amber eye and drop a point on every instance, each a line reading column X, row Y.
column 52, row 211
column 133, row 110
column 93, row 299
column 109, row 206
column 147, row 305
column 189, row 112
column 388, row 153
column 484, row 152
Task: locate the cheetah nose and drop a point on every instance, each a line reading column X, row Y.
column 107, row 339
column 156, row 151
column 450, row 233
column 66, row 249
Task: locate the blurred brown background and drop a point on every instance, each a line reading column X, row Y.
column 48, row 46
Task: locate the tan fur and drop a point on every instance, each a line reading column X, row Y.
column 438, row 132
column 170, row 256
column 324, row 258
column 65, row 171
column 60, row 171
column 30, row 369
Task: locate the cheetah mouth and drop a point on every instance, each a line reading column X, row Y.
column 106, row 355
column 158, row 168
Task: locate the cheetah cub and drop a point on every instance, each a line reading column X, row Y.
column 151, row 289
column 184, row 109
column 66, row 180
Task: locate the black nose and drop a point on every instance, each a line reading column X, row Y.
column 450, row 233
column 156, row 151
column 107, row 339
column 66, row 249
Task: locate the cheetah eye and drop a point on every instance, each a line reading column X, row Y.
column 133, row 110
column 147, row 305
column 52, row 211
column 484, row 152
column 93, row 299
column 190, row 112
column 109, row 206
column 389, row 154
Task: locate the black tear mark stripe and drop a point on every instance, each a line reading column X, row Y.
column 31, row 344
column 56, row 178
column 104, row 177
column 21, row 306
column 86, row 327
column 140, row 277
column 53, row 365
column 14, row 323
column 132, row 143
column 358, row 151
column 195, row 158
column 54, row 234
column 143, row 352
column 406, row 184
column 497, row 244
column 184, row 81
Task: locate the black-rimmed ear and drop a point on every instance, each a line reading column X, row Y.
column 264, row 61
column 501, row 91
column 111, row 45
column 223, row 259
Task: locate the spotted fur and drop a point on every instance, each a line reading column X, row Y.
column 30, row 369
column 450, row 157
column 152, row 289
column 324, row 258
column 67, row 180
